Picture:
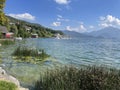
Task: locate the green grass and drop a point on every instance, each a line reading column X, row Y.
column 7, row 86
column 6, row 42
column 88, row 78
column 26, row 54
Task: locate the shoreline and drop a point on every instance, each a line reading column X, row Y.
column 8, row 78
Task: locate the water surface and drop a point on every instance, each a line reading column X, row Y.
column 76, row 51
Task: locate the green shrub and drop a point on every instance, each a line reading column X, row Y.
column 7, row 86
column 71, row 78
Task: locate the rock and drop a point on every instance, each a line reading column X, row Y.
column 5, row 77
column 14, row 80
column 2, row 71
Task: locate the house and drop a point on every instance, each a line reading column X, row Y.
column 12, row 23
column 3, row 31
column 9, row 35
column 34, row 35
column 28, row 29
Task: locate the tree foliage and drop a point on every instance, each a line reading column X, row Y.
column 3, row 19
column 2, row 4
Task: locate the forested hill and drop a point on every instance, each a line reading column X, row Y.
column 25, row 29
column 22, row 28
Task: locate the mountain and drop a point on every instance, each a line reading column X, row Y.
column 108, row 32
column 75, row 34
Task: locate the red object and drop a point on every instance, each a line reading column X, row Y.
column 9, row 35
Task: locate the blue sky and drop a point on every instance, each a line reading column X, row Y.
column 72, row 15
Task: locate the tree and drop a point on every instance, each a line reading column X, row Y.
column 3, row 19
column 14, row 29
column 2, row 4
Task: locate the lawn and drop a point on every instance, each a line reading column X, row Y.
column 7, row 86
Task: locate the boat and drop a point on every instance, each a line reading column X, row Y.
column 58, row 36
column 18, row 38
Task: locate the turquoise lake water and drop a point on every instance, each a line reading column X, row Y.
column 76, row 51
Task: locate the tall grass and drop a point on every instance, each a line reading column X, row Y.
column 71, row 78
column 0, row 59
column 7, row 86
column 26, row 53
column 6, row 42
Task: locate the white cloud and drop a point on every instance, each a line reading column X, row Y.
column 80, row 28
column 23, row 16
column 62, row 1
column 60, row 18
column 91, row 27
column 109, row 20
column 56, row 24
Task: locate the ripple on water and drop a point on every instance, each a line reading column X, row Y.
column 79, row 52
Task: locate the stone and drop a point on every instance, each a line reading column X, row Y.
column 5, row 77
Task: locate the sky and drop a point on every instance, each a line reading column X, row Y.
column 72, row 15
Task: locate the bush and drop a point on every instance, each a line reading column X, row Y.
column 71, row 78
column 7, row 86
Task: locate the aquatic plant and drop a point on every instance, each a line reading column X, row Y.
column 26, row 54
column 72, row 78
column 7, row 86
column 6, row 42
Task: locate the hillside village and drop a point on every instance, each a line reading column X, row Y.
column 11, row 27
column 19, row 28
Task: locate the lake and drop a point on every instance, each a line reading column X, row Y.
column 79, row 51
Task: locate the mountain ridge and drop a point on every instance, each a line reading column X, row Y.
column 75, row 34
column 108, row 32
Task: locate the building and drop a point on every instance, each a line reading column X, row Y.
column 3, row 31
column 34, row 35
column 9, row 35
column 28, row 29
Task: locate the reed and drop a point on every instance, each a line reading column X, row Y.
column 29, row 55
column 6, row 42
column 72, row 78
